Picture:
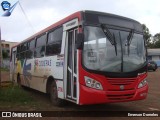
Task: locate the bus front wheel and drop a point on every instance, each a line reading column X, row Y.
column 54, row 95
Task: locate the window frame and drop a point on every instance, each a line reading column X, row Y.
column 36, row 38
column 30, row 49
column 50, row 31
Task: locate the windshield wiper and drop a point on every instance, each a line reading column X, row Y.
column 110, row 37
column 130, row 36
column 129, row 39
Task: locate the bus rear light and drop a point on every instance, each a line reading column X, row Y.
column 142, row 83
column 92, row 83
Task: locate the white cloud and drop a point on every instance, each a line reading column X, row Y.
column 152, row 23
column 41, row 13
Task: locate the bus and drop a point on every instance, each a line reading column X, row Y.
column 88, row 57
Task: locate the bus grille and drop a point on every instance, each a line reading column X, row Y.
column 121, row 81
column 120, row 97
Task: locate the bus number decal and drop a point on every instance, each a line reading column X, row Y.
column 43, row 63
column 59, row 64
column 92, row 57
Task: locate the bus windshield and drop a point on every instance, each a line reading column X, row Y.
column 99, row 53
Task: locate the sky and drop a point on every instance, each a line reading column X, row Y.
column 39, row 14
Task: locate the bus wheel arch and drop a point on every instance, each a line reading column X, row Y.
column 51, row 88
column 48, row 84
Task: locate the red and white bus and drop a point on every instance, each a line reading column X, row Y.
column 87, row 58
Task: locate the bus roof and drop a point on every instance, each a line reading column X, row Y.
column 93, row 17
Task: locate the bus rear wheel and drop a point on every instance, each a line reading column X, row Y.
column 19, row 80
column 54, row 95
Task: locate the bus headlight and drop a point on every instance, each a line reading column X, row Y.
column 92, row 83
column 88, row 81
column 142, row 83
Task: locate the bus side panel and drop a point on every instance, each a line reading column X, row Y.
column 60, row 89
column 22, row 69
column 35, row 72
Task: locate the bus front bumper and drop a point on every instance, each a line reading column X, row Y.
column 93, row 96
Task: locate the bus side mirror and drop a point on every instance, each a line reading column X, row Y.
column 80, row 41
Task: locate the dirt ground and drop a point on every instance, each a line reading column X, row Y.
column 5, row 76
column 152, row 103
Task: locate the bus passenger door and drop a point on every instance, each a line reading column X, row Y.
column 71, row 84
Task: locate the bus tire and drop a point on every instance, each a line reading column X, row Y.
column 54, row 95
column 19, row 80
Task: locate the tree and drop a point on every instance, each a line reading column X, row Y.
column 147, row 35
column 5, row 54
column 156, row 40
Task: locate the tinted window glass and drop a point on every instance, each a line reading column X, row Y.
column 53, row 46
column 39, row 52
column 29, row 54
column 40, row 46
column 32, row 44
column 41, row 41
column 18, row 49
column 22, row 47
column 53, row 49
column 22, row 55
column 18, row 56
column 55, row 35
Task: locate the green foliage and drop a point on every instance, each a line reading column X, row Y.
column 156, row 40
column 5, row 54
column 147, row 35
column 4, row 69
column 15, row 95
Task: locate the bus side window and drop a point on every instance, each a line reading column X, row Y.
column 54, row 41
column 40, row 46
column 24, row 47
column 22, row 51
column 17, row 56
column 11, row 55
column 18, row 51
column 22, row 55
column 30, row 51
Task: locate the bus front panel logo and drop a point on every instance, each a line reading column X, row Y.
column 122, row 87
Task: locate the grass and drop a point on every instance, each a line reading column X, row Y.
column 4, row 69
column 12, row 96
